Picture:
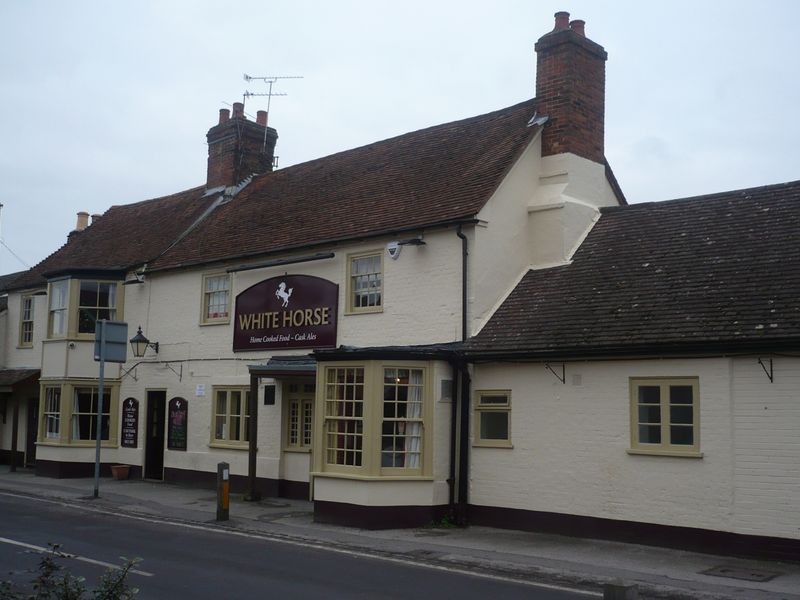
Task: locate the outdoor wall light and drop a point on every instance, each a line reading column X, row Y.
column 139, row 343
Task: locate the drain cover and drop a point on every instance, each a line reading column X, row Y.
column 737, row 572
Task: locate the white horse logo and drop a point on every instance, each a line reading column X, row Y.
column 283, row 294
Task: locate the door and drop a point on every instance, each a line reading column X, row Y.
column 32, row 432
column 154, row 440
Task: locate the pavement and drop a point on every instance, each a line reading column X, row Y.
column 560, row 561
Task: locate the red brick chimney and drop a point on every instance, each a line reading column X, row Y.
column 238, row 148
column 570, row 89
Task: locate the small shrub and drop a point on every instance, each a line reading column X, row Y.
column 53, row 581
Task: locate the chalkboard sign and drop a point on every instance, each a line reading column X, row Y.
column 130, row 423
column 177, row 425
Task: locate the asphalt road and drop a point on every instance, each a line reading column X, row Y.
column 198, row 563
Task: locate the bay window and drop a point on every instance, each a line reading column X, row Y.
column 375, row 419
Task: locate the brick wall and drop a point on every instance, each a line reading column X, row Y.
column 570, row 89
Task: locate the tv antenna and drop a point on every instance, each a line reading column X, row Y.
column 270, row 81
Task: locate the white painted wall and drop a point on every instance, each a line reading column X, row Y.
column 570, row 441
column 536, row 218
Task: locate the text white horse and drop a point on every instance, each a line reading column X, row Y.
column 283, row 294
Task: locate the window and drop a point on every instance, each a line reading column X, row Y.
column 665, row 415
column 75, row 306
column 365, row 282
column 85, row 402
column 493, row 418
column 401, row 429
column 216, row 299
column 78, row 413
column 375, row 419
column 299, row 415
column 26, row 322
column 59, row 303
column 51, row 416
column 231, row 416
column 344, row 416
column 96, row 300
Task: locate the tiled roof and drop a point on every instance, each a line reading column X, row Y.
column 721, row 271
column 10, row 377
column 433, row 175
column 124, row 237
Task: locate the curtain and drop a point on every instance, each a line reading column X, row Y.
column 413, row 427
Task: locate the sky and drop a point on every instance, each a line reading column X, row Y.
column 105, row 103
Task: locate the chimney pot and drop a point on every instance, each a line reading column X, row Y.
column 95, row 218
column 83, row 221
column 562, row 21
column 238, row 110
column 578, row 26
column 261, row 117
column 224, row 115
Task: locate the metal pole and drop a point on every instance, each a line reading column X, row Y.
column 14, row 435
column 223, row 491
column 99, row 427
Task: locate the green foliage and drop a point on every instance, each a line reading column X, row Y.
column 54, row 582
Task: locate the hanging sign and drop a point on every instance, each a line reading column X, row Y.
column 177, row 424
column 130, row 423
column 293, row 311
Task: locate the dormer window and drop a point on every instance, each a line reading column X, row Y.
column 59, row 306
column 75, row 306
column 97, row 300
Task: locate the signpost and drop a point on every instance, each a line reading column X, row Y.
column 110, row 344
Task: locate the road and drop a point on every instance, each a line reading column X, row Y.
column 180, row 561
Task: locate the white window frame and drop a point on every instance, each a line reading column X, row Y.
column 51, row 415
column 299, row 423
column 350, row 418
column 485, row 408
column 231, row 420
column 58, row 308
column 26, row 317
column 95, row 308
column 57, row 404
column 354, row 280
column 667, row 416
column 208, row 295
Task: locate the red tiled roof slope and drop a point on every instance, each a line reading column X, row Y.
column 699, row 272
column 433, row 175
column 125, row 236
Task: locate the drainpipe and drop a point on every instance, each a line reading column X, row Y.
column 463, row 450
column 451, row 480
column 252, row 491
column 464, row 254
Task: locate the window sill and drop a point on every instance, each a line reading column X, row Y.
column 230, row 445
column 220, row 322
column 363, row 311
column 81, row 444
column 493, row 444
column 24, row 346
column 657, row 452
column 306, row 450
column 334, row 475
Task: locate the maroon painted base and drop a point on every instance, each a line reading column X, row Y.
column 377, row 517
column 75, row 470
column 650, row 534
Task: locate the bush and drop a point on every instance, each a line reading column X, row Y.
column 54, row 582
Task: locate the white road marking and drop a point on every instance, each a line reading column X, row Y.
column 68, row 555
column 315, row 546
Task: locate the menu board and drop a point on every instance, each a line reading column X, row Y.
column 130, row 423
column 177, row 424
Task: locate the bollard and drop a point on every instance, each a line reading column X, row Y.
column 617, row 590
column 223, row 491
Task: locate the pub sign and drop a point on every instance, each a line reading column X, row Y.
column 292, row 311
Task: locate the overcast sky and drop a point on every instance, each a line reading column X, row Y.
column 108, row 103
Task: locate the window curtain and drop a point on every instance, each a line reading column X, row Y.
column 414, row 428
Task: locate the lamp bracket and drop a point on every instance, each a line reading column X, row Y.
column 178, row 373
column 769, row 372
